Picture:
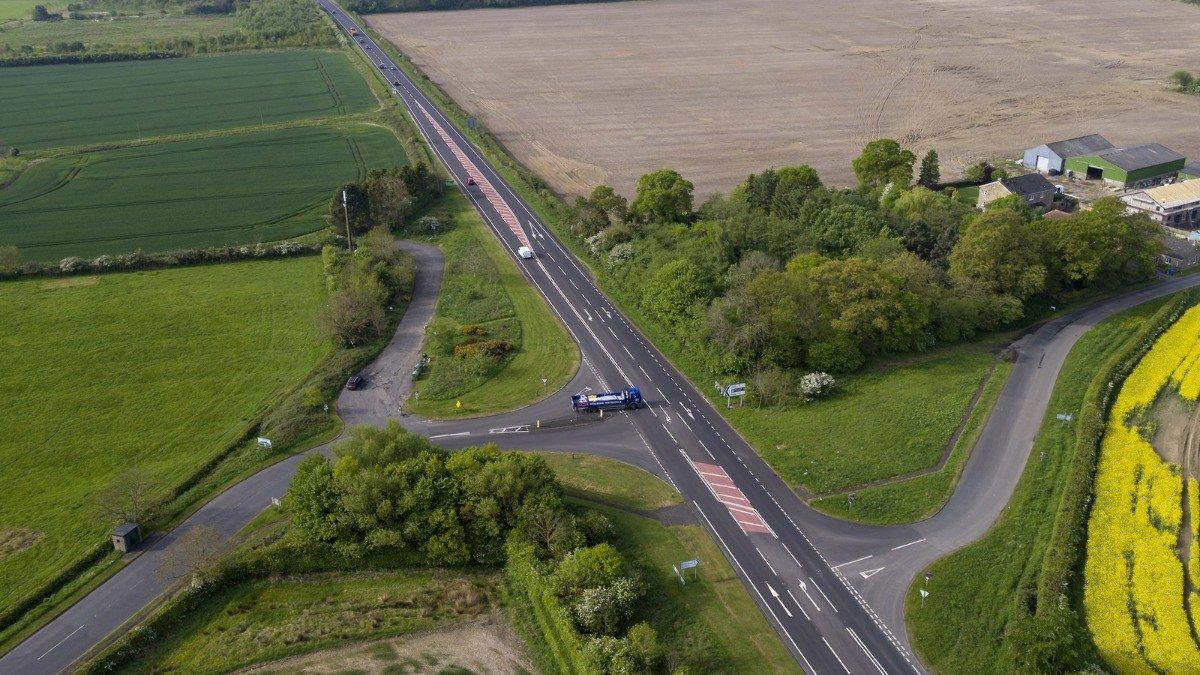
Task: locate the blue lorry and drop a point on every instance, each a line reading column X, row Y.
column 626, row 399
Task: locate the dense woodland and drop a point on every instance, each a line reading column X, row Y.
column 259, row 24
column 786, row 275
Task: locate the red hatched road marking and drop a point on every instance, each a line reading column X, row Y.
column 485, row 186
column 735, row 501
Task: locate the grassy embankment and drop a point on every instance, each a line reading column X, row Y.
column 482, row 286
column 159, row 370
column 610, row 481
column 131, row 29
column 960, row 628
column 260, row 622
column 925, row 401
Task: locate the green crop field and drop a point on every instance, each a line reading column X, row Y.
column 159, row 370
column 69, row 105
column 234, row 189
column 19, row 9
column 117, row 30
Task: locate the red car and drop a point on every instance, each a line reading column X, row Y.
column 354, row 382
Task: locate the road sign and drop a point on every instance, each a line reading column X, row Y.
column 689, row 564
column 265, row 443
column 1065, row 417
column 738, row 389
column 924, row 594
column 458, row 405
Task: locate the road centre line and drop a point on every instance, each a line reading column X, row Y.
column 670, row 434
column 798, row 605
column 835, row 655
column 642, row 369
column 56, row 644
column 818, row 587
column 764, row 559
column 897, row 548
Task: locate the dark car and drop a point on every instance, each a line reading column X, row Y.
column 354, row 382
column 470, row 181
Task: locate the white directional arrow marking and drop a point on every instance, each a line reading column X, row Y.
column 775, row 594
column 870, row 573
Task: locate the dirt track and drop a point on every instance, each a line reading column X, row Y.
column 719, row 88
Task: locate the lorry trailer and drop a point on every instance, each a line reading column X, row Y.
column 626, row 399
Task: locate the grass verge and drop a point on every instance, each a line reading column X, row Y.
column 906, row 501
column 975, row 591
column 610, row 481
column 483, row 287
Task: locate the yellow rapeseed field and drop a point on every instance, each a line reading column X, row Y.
column 1134, row 579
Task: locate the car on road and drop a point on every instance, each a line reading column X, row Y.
column 470, row 181
column 397, row 83
column 354, row 382
column 525, row 252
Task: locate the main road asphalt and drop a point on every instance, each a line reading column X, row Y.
column 833, row 590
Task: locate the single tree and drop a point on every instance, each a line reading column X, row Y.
column 192, row 555
column 930, row 174
column 130, row 498
column 663, row 197
column 1003, row 252
column 883, row 161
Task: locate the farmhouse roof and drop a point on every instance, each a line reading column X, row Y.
column 1056, row 214
column 1141, row 156
column 1176, row 194
column 1027, row 184
column 1077, row 147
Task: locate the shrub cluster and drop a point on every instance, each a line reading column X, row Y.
column 1186, row 82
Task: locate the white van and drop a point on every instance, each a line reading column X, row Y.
column 525, row 252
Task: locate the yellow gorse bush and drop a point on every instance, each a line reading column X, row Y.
column 1133, row 597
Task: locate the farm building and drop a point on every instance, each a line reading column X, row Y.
column 1032, row 187
column 1049, row 158
column 1176, row 205
column 1139, row 166
column 1190, row 171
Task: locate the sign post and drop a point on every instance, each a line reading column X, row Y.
column 685, row 566
column 265, row 443
column 732, row 390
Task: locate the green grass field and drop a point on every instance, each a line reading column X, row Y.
column 481, row 285
column 20, row 9
column 910, row 500
column 233, row 189
column 269, row 619
column 960, row 627
column 121, row 30
column 611, row 481
column 159, row 370
column 70, row 105
column 888, row 421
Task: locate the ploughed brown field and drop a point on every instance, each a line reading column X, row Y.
column 585, row 94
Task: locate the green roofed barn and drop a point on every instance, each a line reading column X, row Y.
column 1138, row 166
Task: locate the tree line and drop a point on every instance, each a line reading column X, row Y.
column 786, row 275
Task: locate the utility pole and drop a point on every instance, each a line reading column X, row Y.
column 346, row 213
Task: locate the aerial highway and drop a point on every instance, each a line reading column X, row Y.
column 833, row 590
